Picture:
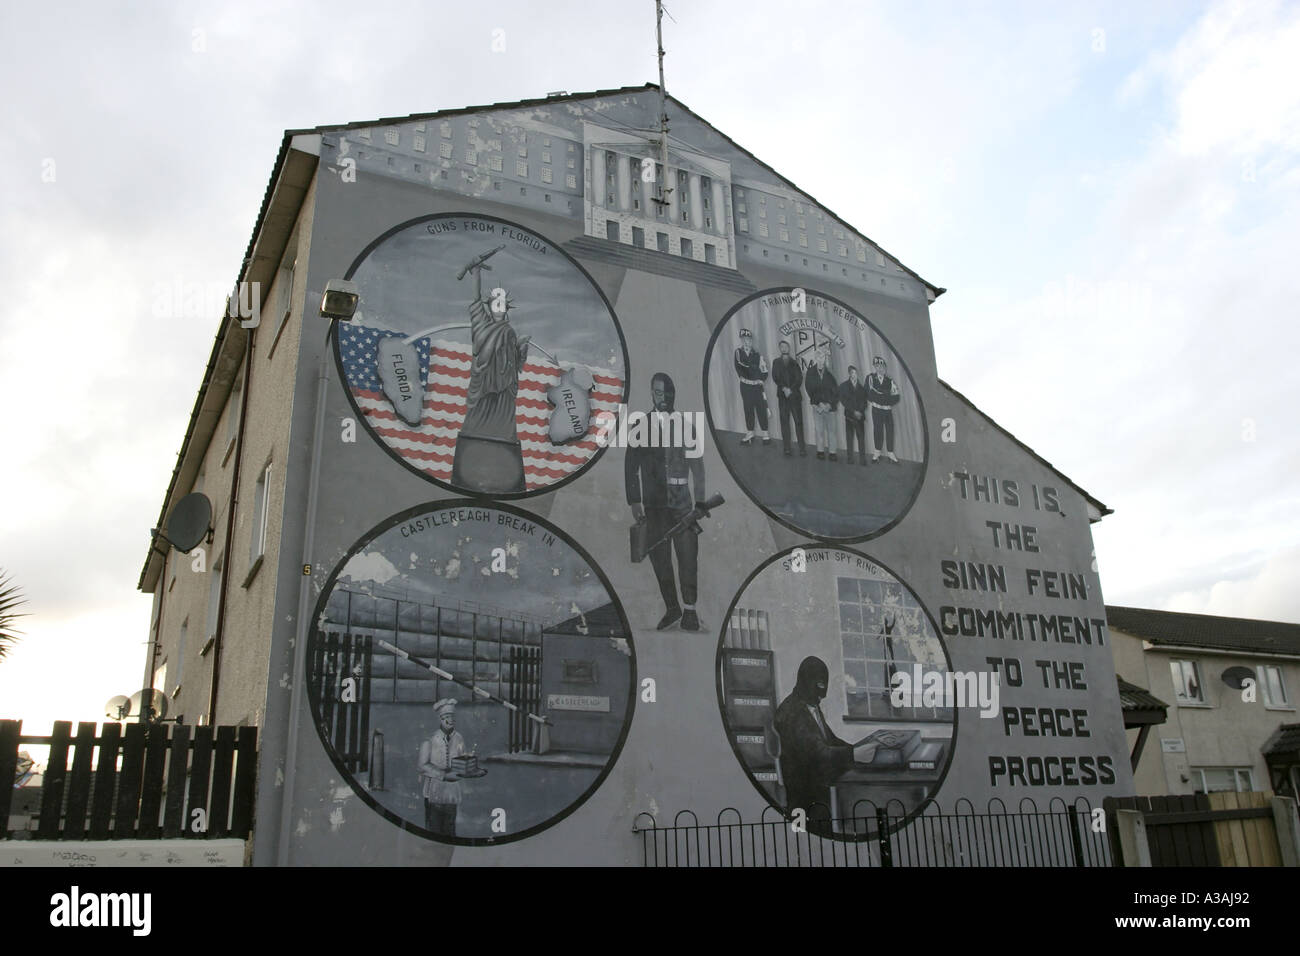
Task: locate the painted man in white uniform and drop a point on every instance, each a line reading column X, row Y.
column 441, row 786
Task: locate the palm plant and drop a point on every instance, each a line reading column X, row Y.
column 10, row 599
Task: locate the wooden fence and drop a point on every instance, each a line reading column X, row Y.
column 133, row 781
column 1217, row 829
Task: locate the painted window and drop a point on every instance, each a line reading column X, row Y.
column 877, row 624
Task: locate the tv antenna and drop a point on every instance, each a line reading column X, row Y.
column 664, row 189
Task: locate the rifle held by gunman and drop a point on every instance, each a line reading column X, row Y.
column 690, row 521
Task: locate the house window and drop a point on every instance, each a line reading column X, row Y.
column 232, row 422
column 546, row 155
column 214, row 601
column 742, row 224
column 471, row 157
column 785, row 235
column 638, row 237
column 523, row 151
column 821, row 245
column 444, row 150
column 419, row 143
column 710, row 253
column 611, row 229
column 687, row 250
column 571, row 181
column 546, row 174
column 1270, row 676
column 445, row 130
column 391, row 137
column 762, row 229
column 803, row 240
column 494, row 163
column 521, row 170
column 636, row 204
column 661, row 240
column 261, row 514
column 1219, row 779
column 1187, row 682
column 180, row 653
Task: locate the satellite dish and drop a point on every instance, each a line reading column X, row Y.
column 149, row 703
column 189, row 522
column 1234, row 677
column 118, row 708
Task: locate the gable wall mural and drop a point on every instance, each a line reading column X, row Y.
column 617, row 506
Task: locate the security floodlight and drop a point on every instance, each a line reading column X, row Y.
column 340, row 300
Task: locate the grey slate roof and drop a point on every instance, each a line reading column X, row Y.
column 1205, row 630
column 1285, row 741
column 1134, row 698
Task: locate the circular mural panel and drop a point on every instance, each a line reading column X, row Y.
column 470, row 672
column 481, row 356
column 822, row 673
column 815, row 415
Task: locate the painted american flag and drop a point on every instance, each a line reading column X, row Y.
column 444, row 374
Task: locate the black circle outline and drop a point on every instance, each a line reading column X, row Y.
column 446, row 485
column 722, row 704
column 713, row 431
column 313, row 635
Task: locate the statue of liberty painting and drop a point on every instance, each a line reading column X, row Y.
column 489, row 458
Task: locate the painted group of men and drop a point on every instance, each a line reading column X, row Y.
column 876, row 394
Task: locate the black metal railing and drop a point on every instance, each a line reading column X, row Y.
column 1062, row 835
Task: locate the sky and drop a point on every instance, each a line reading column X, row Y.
column 1108, row 190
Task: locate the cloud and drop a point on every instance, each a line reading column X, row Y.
column 1269, row 594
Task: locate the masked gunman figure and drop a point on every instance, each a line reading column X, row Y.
column 488, row 454
column 658, row 483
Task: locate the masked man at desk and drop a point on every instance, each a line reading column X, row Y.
column 812, row 757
